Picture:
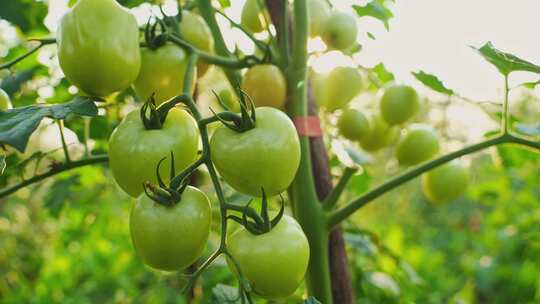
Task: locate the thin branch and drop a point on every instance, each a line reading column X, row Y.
column 334, row 196
column 42, row 42
column 53, row 171
column 60, row 124
column 338, row 216
column 506, row 114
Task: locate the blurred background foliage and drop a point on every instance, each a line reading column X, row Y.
column 66, row 240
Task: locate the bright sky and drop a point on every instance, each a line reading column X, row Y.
column 434, row 36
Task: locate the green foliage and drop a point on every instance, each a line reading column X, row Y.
column 432, row 82
column 505, row 62
column 18, row 124
column 375, row 9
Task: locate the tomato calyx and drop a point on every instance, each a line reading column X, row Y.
column 238, row 123
column 153, row 120
column 163, row 194
column 153, row 36
column 261, row 223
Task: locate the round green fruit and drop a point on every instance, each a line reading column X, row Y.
column 5, row 102
column 340, row 31
column 335, row 90
column 162, row 73
column 194, row 30
column 399, row 103
column 171, row 237
column 380, row 134
column 275, row 262
column 419, row 144
column 445, row 183
column 319, row 12
column 266, row 86
column 134, row 151
column 254, row 18
column 266, row 156
column 98, row 46
column 353, row 125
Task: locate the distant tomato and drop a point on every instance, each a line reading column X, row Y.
column 194, row 30
column 399, row 103
column 98, row 46
column 336, row 89
column 340, row 31
column 419, row 144
column 275, row 262
column 254, row 18
column 5, row 102
column 353, row 125
column 171, row 237
column 266, row 86
column 162, row 72
column 445, row 183
column 319, row 12
column 380, row 134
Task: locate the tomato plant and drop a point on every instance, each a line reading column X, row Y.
column 399, row 103
column 445, row 183
column 194, row 30
column 254, row 18
column 135, row 151
column 353, row 125
column 380, row 134
column 262, row 258
column 319, row 12
column 171, row 237
column 162, row 73
column 336, row 89
column 419, row 144
column 237, row 156
column 98, row 46
column 265, row 85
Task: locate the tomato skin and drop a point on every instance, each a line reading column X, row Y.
column 380, row 134
column 5, row 101
column 267, row 156
column 399, row 103
column 274, row 263
column 162, row 72
column 98, row 46
column 171, row 237
column 419, row 144
column 353, row 125
column 445, row 183
column 266, row 86
column 134, row 152
column 335, row 90
column 194, row 30
column 340, row 31
column 253, row 18
column 319, row 12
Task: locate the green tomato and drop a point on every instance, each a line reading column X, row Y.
column 171, row 237
column 194, row 30
column 266, row 156
column 229, row 98
column 98, row 46
column 134, row 152
column 445, row 183
column 418, row 145
column 380, row 134
column 266, row 86
column 399, row 103
column 162, row 72
column 5, row 102
column 340, row 31
column 319, row 12
column 253, row 18
column 353, row 125
column 335, row 90
column 275, row 262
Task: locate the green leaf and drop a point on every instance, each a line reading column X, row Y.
column 357, row 156
column 2, row 164
column 370, row 35
column 28, row 15
column 505, row 62
column 16, row 125
column 311, row 300
column 432, row 82
column 224, row 294
column 59, row 193
column 531, row 85
column 532, row 130
column 383, row 75
column 224, row 3
column 375, row 9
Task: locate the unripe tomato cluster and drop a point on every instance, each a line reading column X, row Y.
column 99, row 52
